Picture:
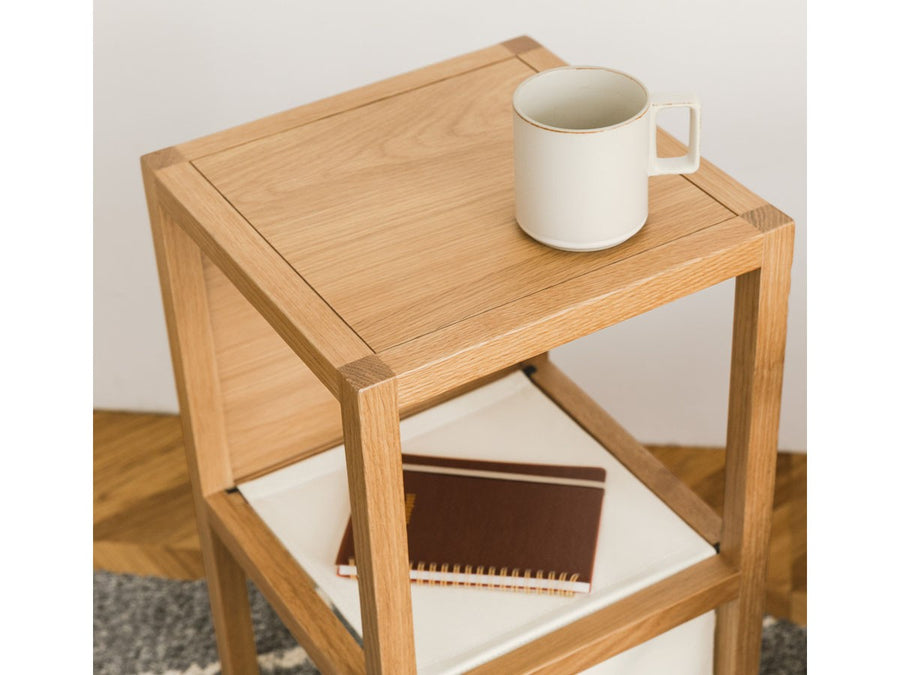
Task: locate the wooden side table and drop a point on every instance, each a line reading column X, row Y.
column 336, row 266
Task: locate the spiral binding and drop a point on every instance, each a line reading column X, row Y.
column 503, row 572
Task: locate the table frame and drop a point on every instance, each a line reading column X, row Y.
column 189, row 221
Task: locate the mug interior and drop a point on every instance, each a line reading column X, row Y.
column 580, row 98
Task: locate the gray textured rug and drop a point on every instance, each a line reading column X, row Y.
column 146, row 625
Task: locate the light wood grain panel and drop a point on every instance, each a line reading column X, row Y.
column 348, row 100
column 760, row 321
column 276, row 410
column 346, row 198
column 375, row 478
column 401, row 214
column 287, row 587
column 626, row 448
column 508, row 266
column 296, row 312
column 624, row 624
column 543, row 321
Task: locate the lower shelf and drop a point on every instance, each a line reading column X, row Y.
column 641, row 540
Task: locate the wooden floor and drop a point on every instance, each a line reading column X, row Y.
column 144, row 516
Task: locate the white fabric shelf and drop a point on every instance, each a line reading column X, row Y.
column 641, row 540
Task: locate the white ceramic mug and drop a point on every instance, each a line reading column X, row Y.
column 585, row 145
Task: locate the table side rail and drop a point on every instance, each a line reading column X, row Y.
column 543, row 321
column 624, row 624
column 285, row 584
column 348, row 100
column 655, row 475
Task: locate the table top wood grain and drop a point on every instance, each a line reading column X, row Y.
column 381, row 221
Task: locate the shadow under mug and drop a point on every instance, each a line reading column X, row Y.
column 585, row 145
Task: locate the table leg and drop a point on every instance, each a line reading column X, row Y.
column 760, row 319
column 230, row 606
column 375, row 475
column 193, row 356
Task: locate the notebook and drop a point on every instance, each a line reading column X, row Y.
column 499, row 525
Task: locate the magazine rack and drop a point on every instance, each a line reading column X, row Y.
column 335, row 267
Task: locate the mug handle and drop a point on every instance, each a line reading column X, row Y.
column 688, row 163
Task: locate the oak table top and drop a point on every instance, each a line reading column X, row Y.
column 381, row 222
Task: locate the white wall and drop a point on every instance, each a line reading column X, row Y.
column 168, row 71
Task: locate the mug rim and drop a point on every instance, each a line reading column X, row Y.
column 594, row 130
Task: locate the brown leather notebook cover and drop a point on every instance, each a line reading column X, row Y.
column 498, row 524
